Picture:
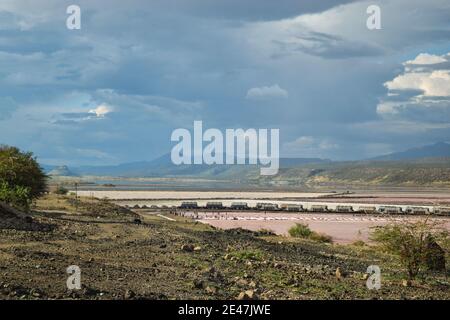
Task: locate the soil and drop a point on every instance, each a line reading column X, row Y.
column 123, row 255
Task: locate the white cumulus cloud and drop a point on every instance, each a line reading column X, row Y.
column 271, row 92
column 101, row 110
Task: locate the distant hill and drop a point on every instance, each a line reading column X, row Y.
column 437, row 150
column 424, row 166
column 163, row 166
column 61, row 171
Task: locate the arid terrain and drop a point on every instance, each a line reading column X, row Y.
column 161, row 256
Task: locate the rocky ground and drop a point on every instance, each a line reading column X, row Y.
column 123, row 255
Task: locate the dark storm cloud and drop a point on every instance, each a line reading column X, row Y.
column 161, row 65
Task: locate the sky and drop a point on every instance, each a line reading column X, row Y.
column 114, row 90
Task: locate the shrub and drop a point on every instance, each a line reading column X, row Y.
column 21, row 177
column 359, row 243
column 301, row 230
column 21, row 169
column 265, row 232
column 248, row 254
column 410, row 241
column 61, row 190
column 18, row 196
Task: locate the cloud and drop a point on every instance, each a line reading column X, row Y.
column 435, row 83
column 263, row 93
column 101, row 110
column 325, row 45
column 425, row 58
column 421, row 92
column 74, row 117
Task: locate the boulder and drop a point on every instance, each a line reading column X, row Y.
column 435, row 256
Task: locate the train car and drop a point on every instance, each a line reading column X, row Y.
column 292, row 207
column 214, row 205
column 390, row 210
column 342, row 208
column 189, row 205
column 319, row 208
column 267, row 206
column 442, row 211
column 417, row 210
column 239, row 206
column 367, row 209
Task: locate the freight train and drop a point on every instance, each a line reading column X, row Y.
column 291, row 207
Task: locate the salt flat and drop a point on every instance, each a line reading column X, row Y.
column 149, row 195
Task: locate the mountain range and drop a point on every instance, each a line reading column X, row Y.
column 163, row 166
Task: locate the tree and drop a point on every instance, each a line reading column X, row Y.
column 21, row 177
column 410, row 241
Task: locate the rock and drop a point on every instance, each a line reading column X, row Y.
column 88, row 291
column 199, row 284
column 338, row 273
column 435, row 256
column 198, row 248
column 36, row 293
column 129, row 294
column 242, row 282
column 211, row 290
column 247, row 295
column 187, row 247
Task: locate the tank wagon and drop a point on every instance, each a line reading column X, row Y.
column 390, row 210
column 239, row 206
column 367, row 209
column 214, row 205
column 189, row 205
column 344, row 209
column 267, row 206
column 319, row 208
column 292, row 207
column 417, row 210
column 442, row 211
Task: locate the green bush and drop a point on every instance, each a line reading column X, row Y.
column 410, row 241
column 17, row 196
column 301, row 230
column 21, row 177
column 359, row 243
column 61, row 190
